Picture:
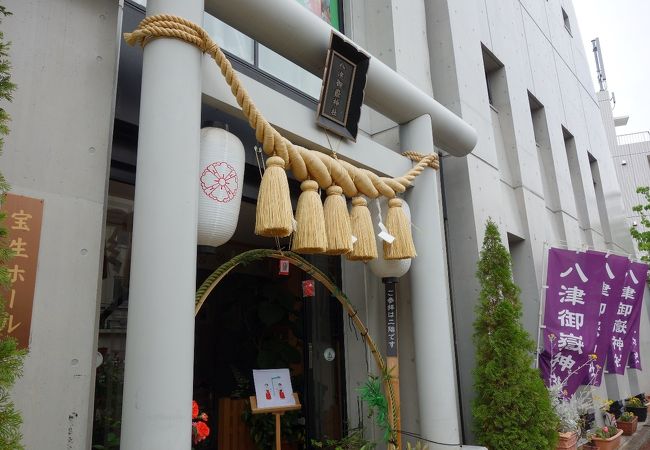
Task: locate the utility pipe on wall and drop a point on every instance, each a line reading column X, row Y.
column 158, row 379
column 432, row 326
column 300, row 36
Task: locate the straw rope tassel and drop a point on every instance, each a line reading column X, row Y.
column 399, row 226
column 310, row 229
column 274, row 214
column 337, row 222
column 304, row 163
column 365, row 248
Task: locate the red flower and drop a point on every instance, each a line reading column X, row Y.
column 195, row 409
column 202, row 430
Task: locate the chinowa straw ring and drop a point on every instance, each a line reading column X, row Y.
column 274, row 215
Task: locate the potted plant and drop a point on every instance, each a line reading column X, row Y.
column 571, row 410
column 605, row 438
column 569, row 418
column 616, row 408
column 627, row 422
column 637, row 407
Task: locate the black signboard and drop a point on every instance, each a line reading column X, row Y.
column 391, row 317
column 341, row 95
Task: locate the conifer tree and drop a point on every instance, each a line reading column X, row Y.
column 11, row 358
column 512, row 408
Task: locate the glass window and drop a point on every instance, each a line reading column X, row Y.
column 290, row 73
column 251, row 52
column 229, row 39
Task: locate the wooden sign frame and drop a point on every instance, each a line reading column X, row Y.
column 342, row 91
column 277, row 412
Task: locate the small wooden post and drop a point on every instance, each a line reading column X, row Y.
column 277, row 412
column 278, row 438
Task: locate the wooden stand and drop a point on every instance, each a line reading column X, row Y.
column 277, row 412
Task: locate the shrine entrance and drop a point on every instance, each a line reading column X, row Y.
column 263, row 316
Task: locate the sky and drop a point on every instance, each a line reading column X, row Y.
column 623, row 27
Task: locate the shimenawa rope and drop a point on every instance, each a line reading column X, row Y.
column 274, row 216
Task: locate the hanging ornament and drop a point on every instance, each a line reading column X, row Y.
column 337, row 222
column 399, row 226
column 310, row 222
column 221, row 178
column 274, row 214
column 381, row 267
column 364, row 247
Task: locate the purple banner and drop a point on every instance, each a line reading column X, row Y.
column 616, row 268
column 634, row 361
column 627, row 318
column 573, row 294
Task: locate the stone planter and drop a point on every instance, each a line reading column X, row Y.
column 607, row 444
column 567, row 441
column 628, row 427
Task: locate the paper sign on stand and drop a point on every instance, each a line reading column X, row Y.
column 273, row 388
column 274, row 395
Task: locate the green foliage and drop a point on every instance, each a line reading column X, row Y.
column 418, row 446
column 353, row 441
column 642, row 237
column 603, row 432
column 372, row 395
column 112, row 440
column 512, row 409
column 108, row 403
column 11, row 358
column 6, row 93
column 633, row 402
column 262, row 428
column 626, row 416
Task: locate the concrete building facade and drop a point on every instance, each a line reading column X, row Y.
column 631, row 160
column 542, row 167
column 514, row 70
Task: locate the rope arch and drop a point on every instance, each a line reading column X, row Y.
column 304, row 163
column 222, row 271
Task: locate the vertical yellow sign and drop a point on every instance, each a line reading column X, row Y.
column 23, row 221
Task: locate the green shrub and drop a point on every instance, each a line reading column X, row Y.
column 11, row 358
column 642, row 234
column 512, row 409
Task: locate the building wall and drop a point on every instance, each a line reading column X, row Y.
column 633, row 149
column 632, row 162
column 520, row 173
column 631, row 156
column 530, row 172
column 64, row 62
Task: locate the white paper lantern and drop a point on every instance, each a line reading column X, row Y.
column 388, row 268
column 221, row 179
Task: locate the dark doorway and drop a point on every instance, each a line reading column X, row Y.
column 257, row 318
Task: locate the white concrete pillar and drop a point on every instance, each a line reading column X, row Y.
column 156, row 412
column 432, row 325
